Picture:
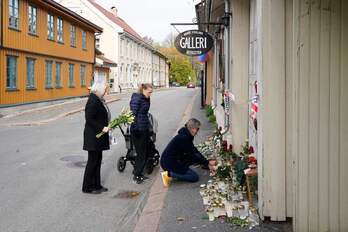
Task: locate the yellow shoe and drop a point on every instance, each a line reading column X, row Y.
column 165, row 178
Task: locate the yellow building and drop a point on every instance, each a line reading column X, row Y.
column 47, row 52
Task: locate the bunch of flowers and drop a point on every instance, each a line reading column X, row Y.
column 126, row 117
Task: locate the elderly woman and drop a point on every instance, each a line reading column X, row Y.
column 97, row 116
column 140, row 105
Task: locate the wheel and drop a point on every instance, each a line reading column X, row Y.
column 156, row 160
column 121, row 164
column 149, row 167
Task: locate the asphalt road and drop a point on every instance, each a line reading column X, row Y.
column 41, row 175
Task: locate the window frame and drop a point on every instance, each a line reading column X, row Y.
column 32, row 79
column 84, row 40
column 8, row 79
column 60, row 30
column 58, row 84
column 72, row 36
column 31, row 9
column 50, row 26
column 48, row 85
column 83, row 78
column 71, row 75
column 13, row 10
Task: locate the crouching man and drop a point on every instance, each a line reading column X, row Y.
column 181, row 153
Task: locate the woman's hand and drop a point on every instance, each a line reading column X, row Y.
column 106, row 129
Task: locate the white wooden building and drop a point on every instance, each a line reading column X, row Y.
column 293, row 55
column 136, row 59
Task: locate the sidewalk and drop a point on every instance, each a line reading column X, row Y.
column 45, row 112
column 183, row 207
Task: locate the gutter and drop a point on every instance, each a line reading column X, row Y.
column 226, row 19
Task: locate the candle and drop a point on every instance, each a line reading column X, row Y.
column 210, row 212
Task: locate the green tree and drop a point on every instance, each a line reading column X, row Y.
column 181, row 69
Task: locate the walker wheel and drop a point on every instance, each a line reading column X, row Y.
column 121, row 164
column 149, row 167
column 156, row 160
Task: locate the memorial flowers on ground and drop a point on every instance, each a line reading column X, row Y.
column 224, row 195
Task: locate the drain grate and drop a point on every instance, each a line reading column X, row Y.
column 128, row 194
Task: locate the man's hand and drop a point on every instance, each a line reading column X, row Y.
column 212, row 165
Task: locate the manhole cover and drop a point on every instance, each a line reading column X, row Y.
column 126, row 194
column 72, row 158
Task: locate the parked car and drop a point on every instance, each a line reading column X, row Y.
column 190, row 85
column 175, row 84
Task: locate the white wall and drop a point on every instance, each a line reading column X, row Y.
column 320, row 96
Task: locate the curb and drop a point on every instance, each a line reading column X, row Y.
column 37, row 123
column 151, row 214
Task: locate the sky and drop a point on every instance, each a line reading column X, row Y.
column 153, row 17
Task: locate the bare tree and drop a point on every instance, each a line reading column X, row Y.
column 169, row 40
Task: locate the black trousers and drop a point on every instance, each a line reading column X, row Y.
column 91, row 179
column 141, row 144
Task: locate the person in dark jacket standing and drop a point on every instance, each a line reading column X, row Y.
column 97, row 117
column 140, row 105
column 181, row 153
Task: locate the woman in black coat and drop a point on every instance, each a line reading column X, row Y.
column 140, row 105
column 97, row 116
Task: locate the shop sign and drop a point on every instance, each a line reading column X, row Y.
column 194, row 42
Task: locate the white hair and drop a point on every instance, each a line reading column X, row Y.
column 98, row 87
column 193, row 123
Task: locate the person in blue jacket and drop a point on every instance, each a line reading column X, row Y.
column 181, row 153
column 140, row 105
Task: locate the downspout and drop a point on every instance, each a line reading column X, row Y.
column 95, row 55
column 152, row 68
column 226, row 20
column 2, row 23
column 159, row 71
column 215, row 74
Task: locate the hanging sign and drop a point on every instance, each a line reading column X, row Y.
column 194, row 42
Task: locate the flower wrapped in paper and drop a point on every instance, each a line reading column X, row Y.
column 126, row 117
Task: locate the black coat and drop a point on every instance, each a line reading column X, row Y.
column 140, row 106
column 180, row 153
column 96, row 119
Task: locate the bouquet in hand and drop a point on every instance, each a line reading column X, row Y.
column 126, row 117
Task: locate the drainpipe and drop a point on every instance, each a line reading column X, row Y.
column 2, row 23
column 216, row 55
column 226, row 20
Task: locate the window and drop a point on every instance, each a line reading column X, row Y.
column 58, row 74
column 71, row 75
column 11, row 81
column 50, row 27
column 83, row 75
column 32, row 19
column 97, row 41
column 48, row 74
column 72, row 36
column 60, row 30
column 30, row 73
column 84, row 40
column 13, row 14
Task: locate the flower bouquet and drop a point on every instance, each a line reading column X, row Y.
column 126, row 117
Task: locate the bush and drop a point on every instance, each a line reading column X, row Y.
column 212, row 119
column 209, row 111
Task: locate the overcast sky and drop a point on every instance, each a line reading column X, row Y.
column 153, row 17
